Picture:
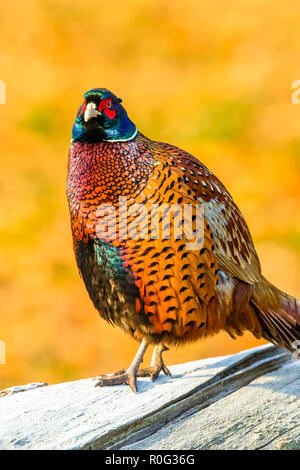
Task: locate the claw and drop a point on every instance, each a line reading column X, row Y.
column 153, row 371
column 157, row 364
column 166, row 370
column 126, row 377
column 130, row 375
column 132, row 383
column 155, row 375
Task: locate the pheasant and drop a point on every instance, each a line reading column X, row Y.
column 163, row 250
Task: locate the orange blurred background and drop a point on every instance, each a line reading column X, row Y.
column 212, row 78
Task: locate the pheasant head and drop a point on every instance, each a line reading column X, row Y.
column 102, row 118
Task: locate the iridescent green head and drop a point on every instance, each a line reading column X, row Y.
column 101, row 117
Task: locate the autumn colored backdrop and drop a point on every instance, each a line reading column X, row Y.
column 213, row 78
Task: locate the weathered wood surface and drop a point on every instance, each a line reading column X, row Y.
column 250, row 400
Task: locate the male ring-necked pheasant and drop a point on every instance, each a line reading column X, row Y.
column 141, row 275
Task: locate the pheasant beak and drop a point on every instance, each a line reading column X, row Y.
column 91, row 111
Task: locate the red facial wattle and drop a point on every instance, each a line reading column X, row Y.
column 106, row 106
column 111, row 113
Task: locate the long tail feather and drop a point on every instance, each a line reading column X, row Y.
column 278, row 314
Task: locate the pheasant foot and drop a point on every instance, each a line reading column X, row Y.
column 123, row 376
column 157, row 364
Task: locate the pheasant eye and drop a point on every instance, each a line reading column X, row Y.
column 108, row 104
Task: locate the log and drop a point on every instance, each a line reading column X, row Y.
column 248, row 400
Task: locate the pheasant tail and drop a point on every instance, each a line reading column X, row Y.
column 278, row 314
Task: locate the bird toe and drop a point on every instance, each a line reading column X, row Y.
column 124, row 377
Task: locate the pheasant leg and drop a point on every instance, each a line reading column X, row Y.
column 157, row 364
column 128, row 376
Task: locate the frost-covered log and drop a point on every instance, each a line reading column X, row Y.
column 248, row 400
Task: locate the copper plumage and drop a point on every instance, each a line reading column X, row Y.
column 156, row 289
